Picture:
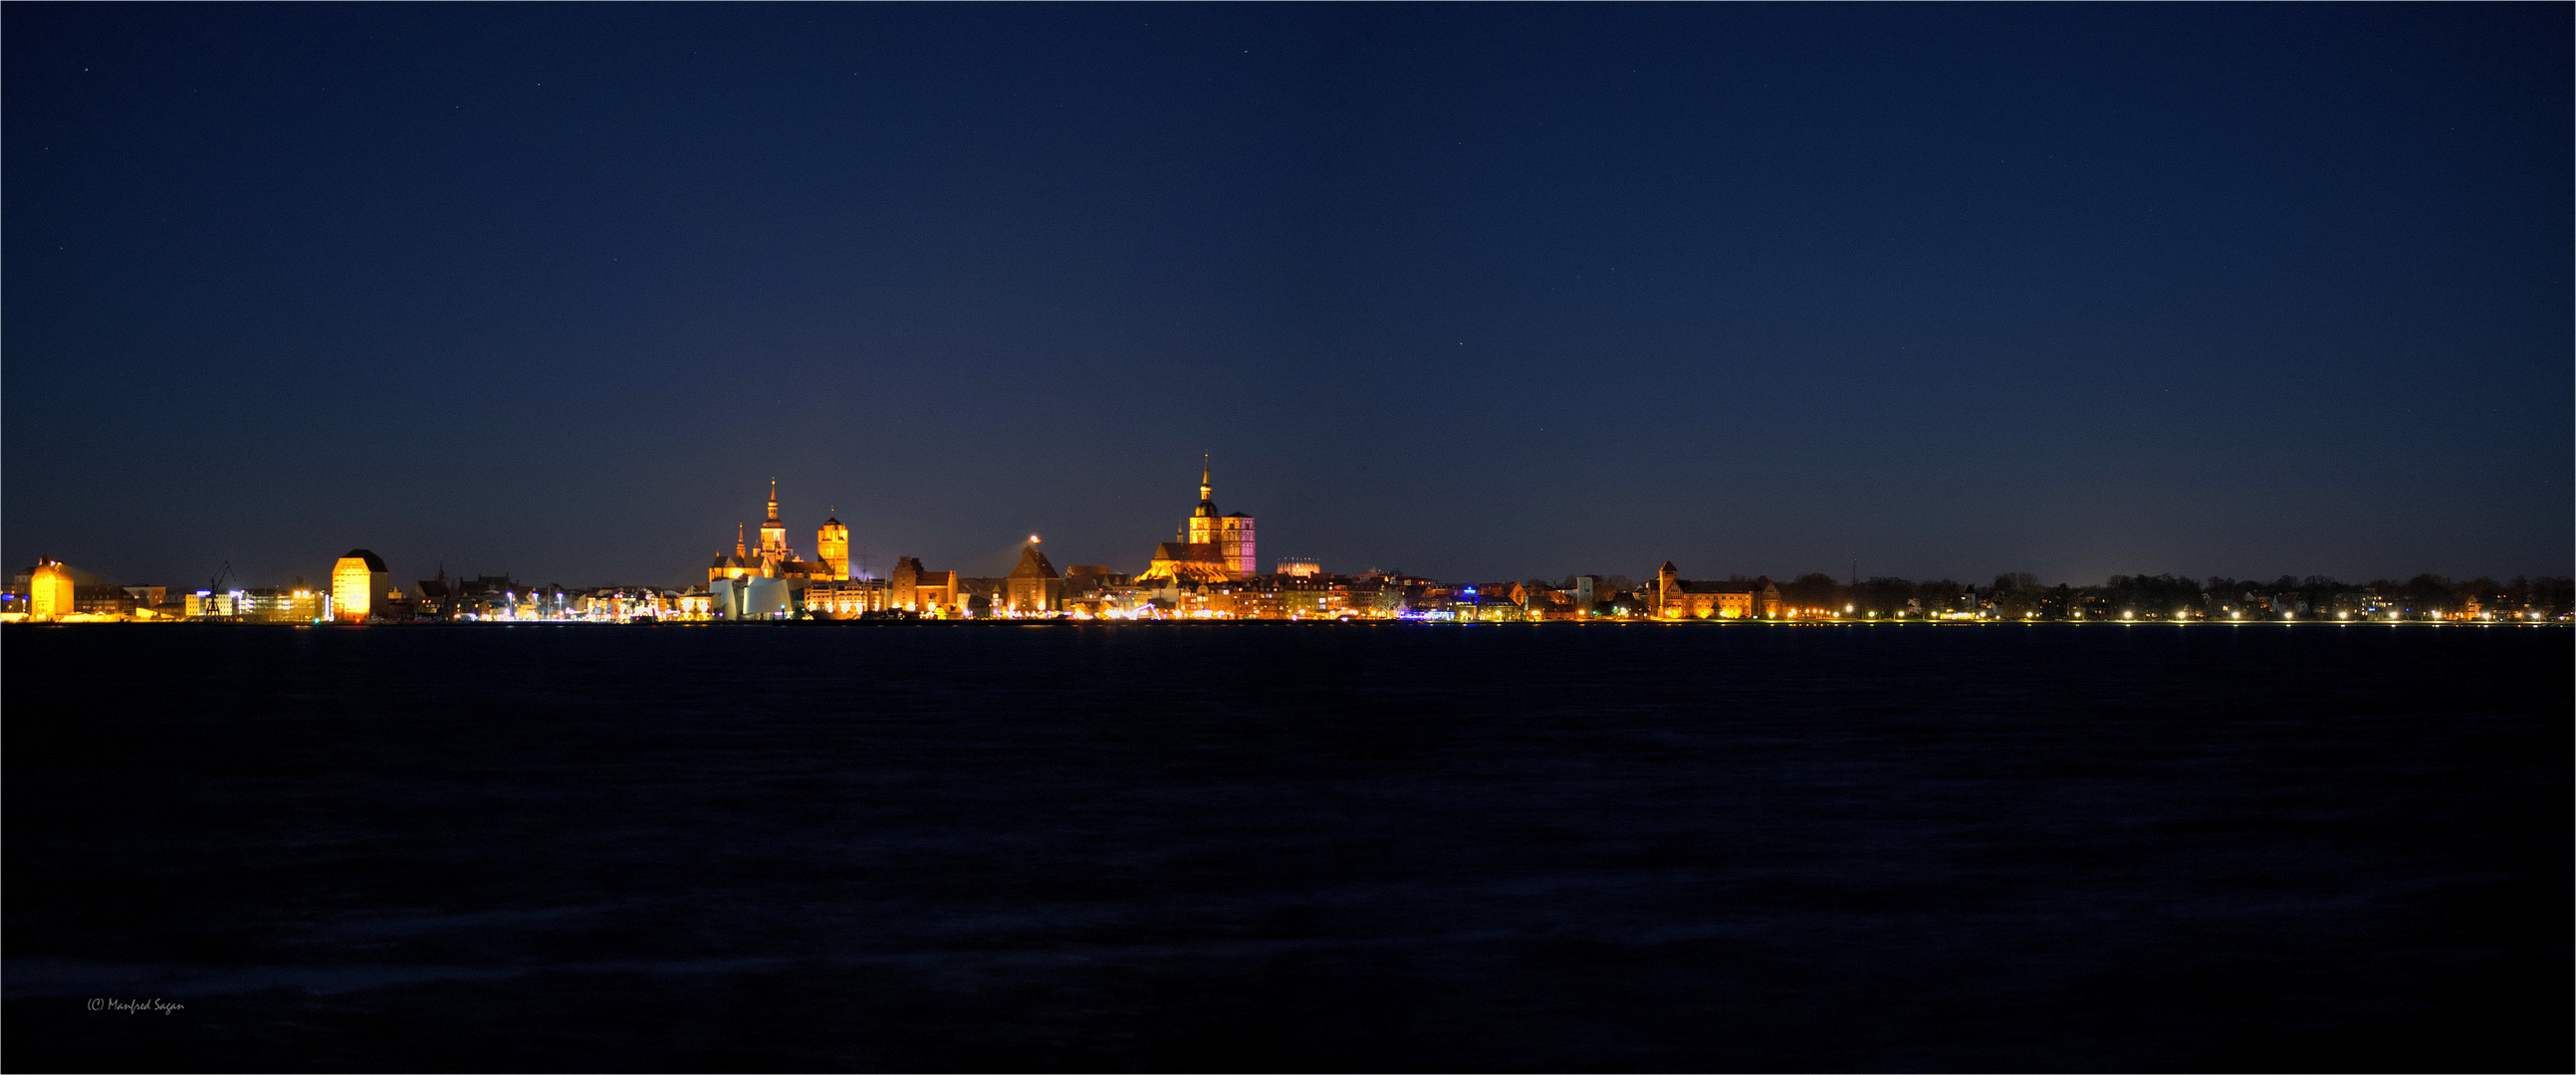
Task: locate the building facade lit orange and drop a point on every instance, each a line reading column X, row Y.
column 358, row 581
column 50, row 591
column 1033, row 588
column 832, row 545
column 1677, row 598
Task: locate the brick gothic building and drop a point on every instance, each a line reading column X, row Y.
column 1677, row 598
column 1033, row 586
column 1212, row 547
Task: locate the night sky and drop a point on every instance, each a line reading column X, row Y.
column 1472, row 292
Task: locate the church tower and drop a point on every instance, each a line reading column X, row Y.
column 1235, row 541
column 1230, row 534
column 832, row 543
column 1202, row 529
column 773, row 533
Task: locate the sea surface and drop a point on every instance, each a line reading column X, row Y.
column 1288, row 847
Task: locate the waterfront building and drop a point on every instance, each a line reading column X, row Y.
column 54, row 588
column 272, row 605
column 923, row 592
column 1555, row 605
column 356, row 582
column 1497, row 602
column 626, row 604
column 1084, row 578
column 104, row 599
column 1261, row 597
column 1092, row 591
column 51, row 593
column 847, row 599
column 1374, row 597
column 1032, row 588
column 751, row 597
column 1312, row 596
column 1677, row 598
column 433, row 598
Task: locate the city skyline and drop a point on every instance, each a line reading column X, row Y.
column 1212, row 552
column 864, row 559
column 1474, row 292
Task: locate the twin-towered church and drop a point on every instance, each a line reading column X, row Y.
column 774, row 559
column 753, row 583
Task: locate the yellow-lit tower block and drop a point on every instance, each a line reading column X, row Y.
column 356, row 579
column 49, row 590
column 832, row 543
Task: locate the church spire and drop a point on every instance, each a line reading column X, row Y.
column 1207, row 497
column 773, row 500
column 738, row 550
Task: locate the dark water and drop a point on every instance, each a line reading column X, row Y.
column 1153, row 847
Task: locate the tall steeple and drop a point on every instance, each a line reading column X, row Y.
column 773, row 533
column 738, row 549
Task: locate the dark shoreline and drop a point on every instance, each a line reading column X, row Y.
column 1324, row 623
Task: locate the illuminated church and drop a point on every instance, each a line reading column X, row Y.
column 770, row 580
column 1212, row 547
column 776, row 560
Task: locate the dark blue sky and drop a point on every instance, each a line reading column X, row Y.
column 1476, row 292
